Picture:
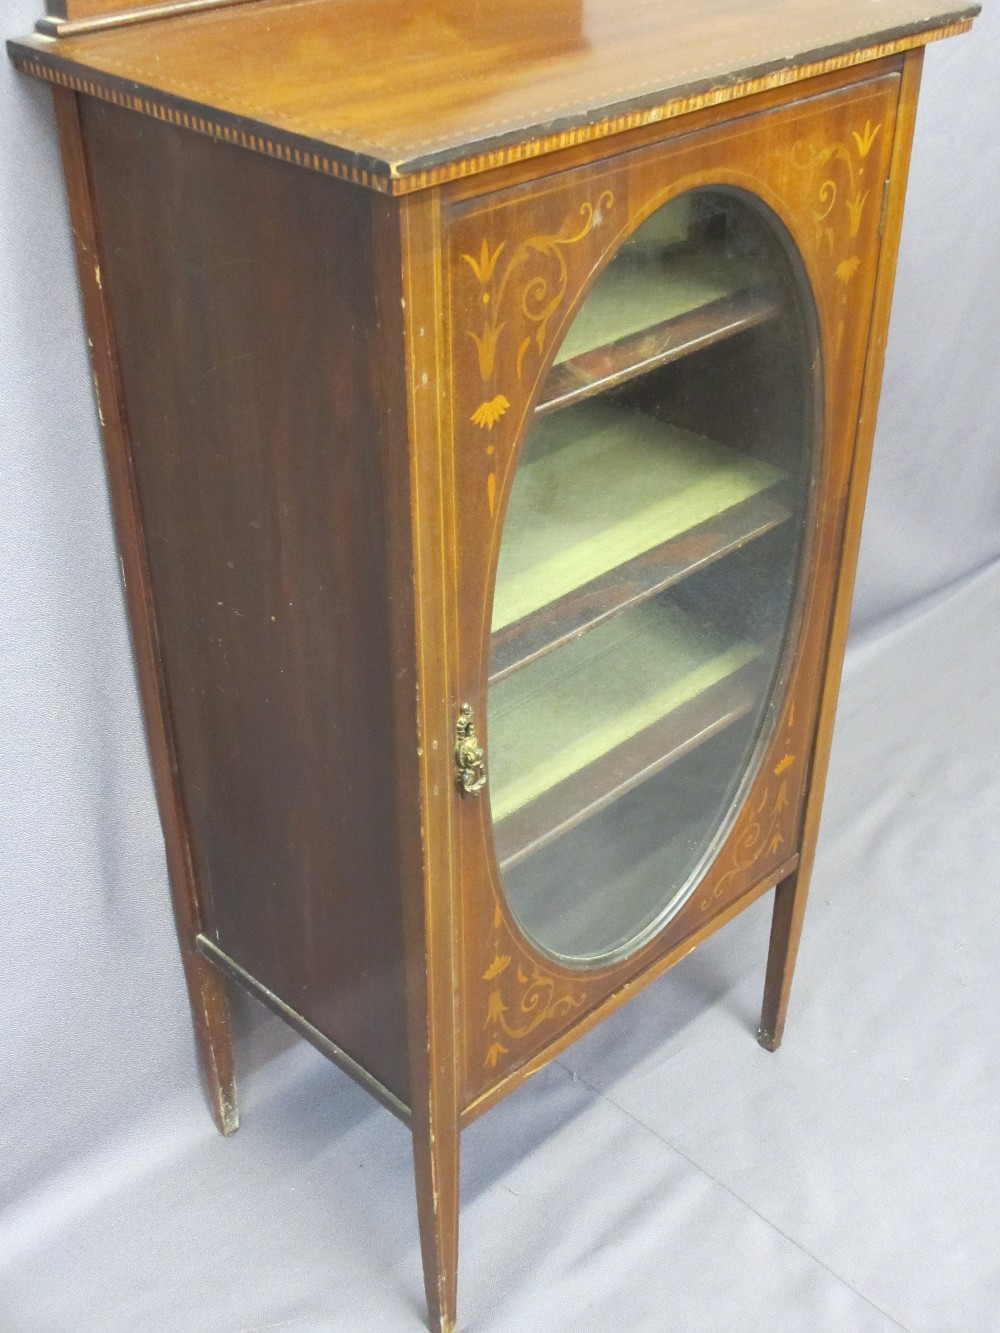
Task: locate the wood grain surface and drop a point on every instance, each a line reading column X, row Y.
column 206, row 988
column 398, row 98
column 257, row 383
column 517, row 1004
column 314, row 405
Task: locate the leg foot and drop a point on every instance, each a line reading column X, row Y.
column 213, row 1036
column 786, row 930
column 436, row 1162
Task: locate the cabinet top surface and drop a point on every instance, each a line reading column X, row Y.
column 423, row 90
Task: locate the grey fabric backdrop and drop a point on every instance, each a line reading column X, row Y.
column 666, row 1173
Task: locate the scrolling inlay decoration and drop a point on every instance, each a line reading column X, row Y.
column 761, row 828
column 542, row 292
column 838, row 180
column 521, row 997
column 521, row 287
column 828, row 174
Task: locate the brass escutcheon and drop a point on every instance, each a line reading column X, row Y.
column 470, row 760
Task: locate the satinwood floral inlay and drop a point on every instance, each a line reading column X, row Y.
column 520, row 296
column 759, row 830
column 541, row 293
column 842, row 183
column 488, row 414
column 840, row 176
column 521, row 998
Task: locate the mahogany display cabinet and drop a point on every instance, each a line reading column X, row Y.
column 488, row 396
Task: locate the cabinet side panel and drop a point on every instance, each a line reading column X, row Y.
column 250, row 328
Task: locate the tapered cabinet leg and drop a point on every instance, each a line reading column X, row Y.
column 213, row 1036
column 786, row 930
column 206, row 987
column 436, row 1162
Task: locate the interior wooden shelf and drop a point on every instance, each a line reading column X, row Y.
column 615, row 362
column 629, row 861
column 582, row 726
column 628, row 584
column 651, row 307
column 646, row 288
column 598, row 487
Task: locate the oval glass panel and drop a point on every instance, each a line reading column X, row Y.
column 647, row 574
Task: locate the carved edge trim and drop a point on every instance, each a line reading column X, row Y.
column 421, row 173
column 263, row 139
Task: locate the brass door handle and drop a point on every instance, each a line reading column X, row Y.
column 470, row 758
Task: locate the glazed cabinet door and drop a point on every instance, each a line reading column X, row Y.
column 657, row 362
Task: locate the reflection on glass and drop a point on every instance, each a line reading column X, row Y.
column 647, row 575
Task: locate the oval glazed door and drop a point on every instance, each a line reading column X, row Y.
column 650, row 460
column 646, row 588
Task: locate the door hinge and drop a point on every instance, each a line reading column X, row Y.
column 885, row 205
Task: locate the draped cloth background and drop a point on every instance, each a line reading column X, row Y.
column 665, row 1173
